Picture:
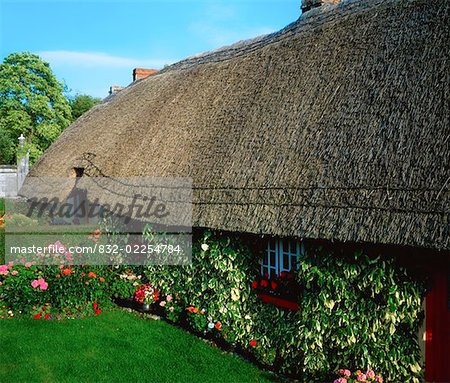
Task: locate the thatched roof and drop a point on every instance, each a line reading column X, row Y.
column 336, row 127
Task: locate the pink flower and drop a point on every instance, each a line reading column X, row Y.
column 379, row 379
column 171, row 308
column 28, row 264
column 14, row 272
column 41, row 283
column 169, row 298
column 4, row 270
column 370, row 374
column 347, row 373
column 340, row 380
column 135, row 284
column 162, row 303
column 361, row 377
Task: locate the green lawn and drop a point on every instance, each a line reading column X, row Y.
column 116, row 346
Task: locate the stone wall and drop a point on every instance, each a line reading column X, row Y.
column 8, row 181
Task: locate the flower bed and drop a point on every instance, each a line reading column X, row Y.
column 49, row 292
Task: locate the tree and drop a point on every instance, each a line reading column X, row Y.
column 81, row 103
column 31, row 103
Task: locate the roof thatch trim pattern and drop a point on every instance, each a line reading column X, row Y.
column 336, row 127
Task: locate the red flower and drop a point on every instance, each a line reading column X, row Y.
column 83, row 274
column 264, row 283
column 47, row 316
column 37, row 316
column 67, row 271
column 218, row 325
column 102, row 279
column 96, row 309
column 274, row 285
column 254, row 284
column 43, row 308
column 283, row 274
column 92, row 275
column 191, row 309
column 253, row 342
column 97, row 232
column 195, row 310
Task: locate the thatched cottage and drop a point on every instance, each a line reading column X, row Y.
column 335, row 128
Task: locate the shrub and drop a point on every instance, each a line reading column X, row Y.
column 355, row 310
column 67, row 289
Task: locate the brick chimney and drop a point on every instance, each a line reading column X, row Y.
column 139, row 73
column 309, row 4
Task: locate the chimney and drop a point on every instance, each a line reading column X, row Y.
column 140, row 73
column 309, row 4
column 115, row 88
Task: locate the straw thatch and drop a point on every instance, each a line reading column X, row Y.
column 336, row 127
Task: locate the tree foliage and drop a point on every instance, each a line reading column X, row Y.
column 81, row 103
column 31, row 103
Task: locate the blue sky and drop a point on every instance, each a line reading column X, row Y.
column 92, row 45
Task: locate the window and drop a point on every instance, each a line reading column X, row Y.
column 281, row 255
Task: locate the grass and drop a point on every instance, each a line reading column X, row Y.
column 116, row 346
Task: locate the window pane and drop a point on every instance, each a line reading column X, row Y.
column 265, row 259
column 286, row 246
column 272, row 259
column 273, row 272
column 294, row 262
column 271, row 245
column 286, row 265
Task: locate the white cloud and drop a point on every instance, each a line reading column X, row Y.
column 99, row 59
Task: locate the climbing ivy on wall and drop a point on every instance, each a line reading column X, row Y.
column 356, row 311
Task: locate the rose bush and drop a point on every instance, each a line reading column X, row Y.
column 65, row 288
